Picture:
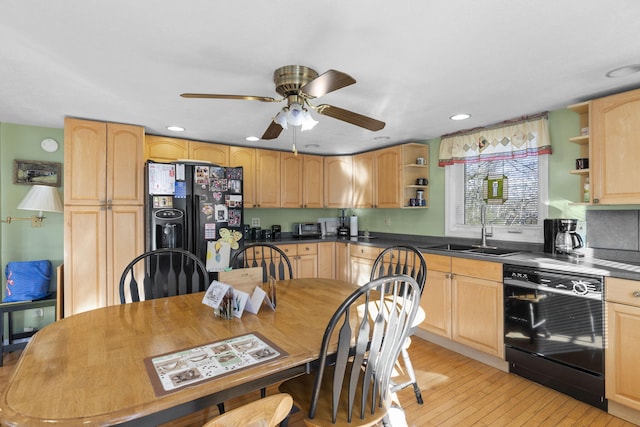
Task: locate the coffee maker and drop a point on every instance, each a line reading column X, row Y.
column 560, row 236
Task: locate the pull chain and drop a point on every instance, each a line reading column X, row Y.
column 294, row 149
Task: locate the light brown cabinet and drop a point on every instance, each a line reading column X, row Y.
column 267, row 178
column 388, row 188
column 164, row 149
column 327, row 260
column 623, row 350
column 436, row 296
column 245, row 157
column 361, row 261
column 104, row 223
column 364, row 180
column 213, row 153
column 290, row 180
column 412, row 171
column 312, row 181
column 583, row 110
column 338, row 181
column 303, row 258
column 615, row 148
column 342, row 261
column 477, row 313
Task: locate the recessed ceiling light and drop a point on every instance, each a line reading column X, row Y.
column 623, row 71
column 252, row 138
column 175, row 128
column 462, row 116
column 312, row 146
column 381, row 138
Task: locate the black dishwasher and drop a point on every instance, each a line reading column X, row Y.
column 554, row 330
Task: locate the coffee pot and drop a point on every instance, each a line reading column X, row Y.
column 560, row 236
column 567, row 241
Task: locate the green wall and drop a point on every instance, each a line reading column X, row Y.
column 18, row 240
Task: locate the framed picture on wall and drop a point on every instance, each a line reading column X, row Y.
column 31, row 172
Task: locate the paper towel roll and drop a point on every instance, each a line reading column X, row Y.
column 353, row 226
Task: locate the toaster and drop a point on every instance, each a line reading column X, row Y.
column 307, row 229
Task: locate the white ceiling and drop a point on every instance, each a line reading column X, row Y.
column 416, row 63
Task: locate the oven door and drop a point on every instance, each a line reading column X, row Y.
column 568, row 329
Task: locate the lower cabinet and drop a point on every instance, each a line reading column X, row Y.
column 99, row 244
column 436, row 296
column 327, row 260
column 303, row 257
column 462, row 300
column 361, row 262
column 623, row 343
column 343, row 265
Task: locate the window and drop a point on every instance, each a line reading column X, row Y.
column 518, row 219
column 471, row 158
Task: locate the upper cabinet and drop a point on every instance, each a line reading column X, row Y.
column 290, row 180
column 610, row 139
column 615, row 148
column 267, row 178
column 246, row 158
column 214, row 153
column 164, row 149
column 583, row 110
column 387, row 177
column 312, row 181
column 364, row 180
column 106, row 160
column 338, row 181
column 415, row 175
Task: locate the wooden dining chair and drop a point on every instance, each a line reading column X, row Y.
column 267, row 412
column 350, row 386
column 162, row 273
column 403, row 259
column 272, row 259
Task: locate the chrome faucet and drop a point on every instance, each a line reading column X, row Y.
column 483, row 233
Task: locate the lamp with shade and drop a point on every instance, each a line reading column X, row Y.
column 41, row 198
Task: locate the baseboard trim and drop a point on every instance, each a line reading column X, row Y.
column 464, row 350
column 624, row 412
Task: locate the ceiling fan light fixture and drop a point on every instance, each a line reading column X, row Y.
column 308, row 122
column 281, row 118
column 295, row 116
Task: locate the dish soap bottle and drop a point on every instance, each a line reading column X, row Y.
column 587, row 191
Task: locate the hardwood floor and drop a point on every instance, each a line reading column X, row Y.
column 457, row 391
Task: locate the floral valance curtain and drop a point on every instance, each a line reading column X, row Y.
column 511, row 141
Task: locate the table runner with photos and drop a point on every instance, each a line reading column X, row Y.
column 173, row 371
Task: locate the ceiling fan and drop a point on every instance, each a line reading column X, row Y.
column 298, row 85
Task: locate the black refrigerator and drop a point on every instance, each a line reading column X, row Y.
column 195, row 206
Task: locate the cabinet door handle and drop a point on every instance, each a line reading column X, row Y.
column 636, row 294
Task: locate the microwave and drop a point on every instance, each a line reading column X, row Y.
column 307, row 229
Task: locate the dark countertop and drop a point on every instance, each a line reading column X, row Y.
column 526, row 254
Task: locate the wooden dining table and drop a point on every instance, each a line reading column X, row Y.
column 89, row 369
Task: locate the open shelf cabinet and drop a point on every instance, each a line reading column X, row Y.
column 412, row 171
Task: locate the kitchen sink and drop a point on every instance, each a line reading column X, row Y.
column 472, row 249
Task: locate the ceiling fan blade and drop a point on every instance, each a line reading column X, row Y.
column 273, row 131
column 327, row 82
column 218, row 96
column 350, row 117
